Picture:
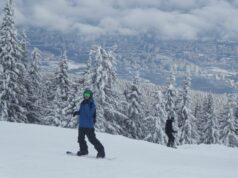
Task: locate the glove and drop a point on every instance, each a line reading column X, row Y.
column 75, row 113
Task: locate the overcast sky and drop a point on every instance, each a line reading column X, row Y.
column 170, row 19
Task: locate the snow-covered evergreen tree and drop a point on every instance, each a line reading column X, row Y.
column 170, row 95
column 198, row 113
column 72, row 105
column 58, row 93
column 62, row 79
column 103, row 81
column 62, row 90
column 88, row 74
column 47, row 99
column 13, row 93
column 209, row 124
column 135, row 109
column 170, row 102
column 156, row 128
column 236, row 115
column 198, row 110
column 34, row 88
column 228, row 125
column 186, row 120
column 34, row 70
column 104, row 72
column 24, row 50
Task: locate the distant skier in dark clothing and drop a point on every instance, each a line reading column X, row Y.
column 87, row 119
column 169, row 131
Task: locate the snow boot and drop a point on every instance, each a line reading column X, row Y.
column 101, row 154
column 82, row 153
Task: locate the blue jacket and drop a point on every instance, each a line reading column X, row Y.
column 87, row 114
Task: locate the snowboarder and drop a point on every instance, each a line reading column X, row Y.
column 169, row 131
column 86, row 120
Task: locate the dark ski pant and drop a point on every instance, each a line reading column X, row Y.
column 171, row 140
column 90, row 133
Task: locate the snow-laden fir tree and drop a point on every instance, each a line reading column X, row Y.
column 159, row 115
column 133, row 96
column 13, row 93
column 198, row 101
column 198, row 110
column 99, row 80
column 61, row 94
column 104, row 75
column 236, row 114
column 103, row 81
column 170, row 94
column 89, row 72
column 34, row 88
column 209, row 125
column 72, row 105
column 47, row 99
column 34, row 71
column 62, row 79
column 228, row 124
column 186, row 120
column 24, row 50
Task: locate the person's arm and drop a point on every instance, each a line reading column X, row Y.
column 93, row 111
column 76, row 113
column 172, row 128
column 174, row 131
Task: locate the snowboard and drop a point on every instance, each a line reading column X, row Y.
column 88, row 156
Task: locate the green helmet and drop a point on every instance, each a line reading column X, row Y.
column 87, row 93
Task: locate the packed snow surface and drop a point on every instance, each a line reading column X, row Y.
column 32, row 151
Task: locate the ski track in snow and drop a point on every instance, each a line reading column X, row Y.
column 33, row 151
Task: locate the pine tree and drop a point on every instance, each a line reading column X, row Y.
column 186, row 120
column 88, row 73
column 199, row 115
column 71, row 106
column 236, row 115
column 56, row 94
column 156, row 131
column 48, row 99
column 34, row 70
column 170, row 100
column 34, row 88
column 228, row 125
column 135, row 111
column 198, row 110
column 209, row 124
column 13, row 93
column 62, row 92
column 62, row 79
column 170, row 96
column 23, row 44
column 104, row 75
column 103, row 81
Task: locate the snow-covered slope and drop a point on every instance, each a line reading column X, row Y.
column 31, row 151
